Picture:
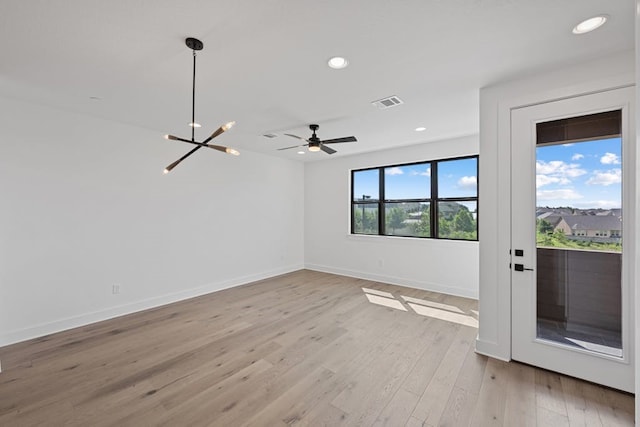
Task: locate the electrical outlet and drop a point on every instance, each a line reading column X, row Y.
column 115, row 289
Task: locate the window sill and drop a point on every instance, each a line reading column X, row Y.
column 376, row 238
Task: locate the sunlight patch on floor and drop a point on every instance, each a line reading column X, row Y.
column 433, row 304
column 461, row 319
column 377, row 292
column 436, row 310
column 387, row 302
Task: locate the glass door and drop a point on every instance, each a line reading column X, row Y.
column 571, row 295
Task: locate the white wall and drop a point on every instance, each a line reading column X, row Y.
column 637, row 264
column 84, row 205
column 494, row 335
column 438, row 265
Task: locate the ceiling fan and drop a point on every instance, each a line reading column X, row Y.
column 194, row 45
column 316, row 144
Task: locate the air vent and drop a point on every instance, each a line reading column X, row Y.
column 270, row 135
column 388, row 102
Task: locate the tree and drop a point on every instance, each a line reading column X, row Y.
column 357, row 220
column 544, row 226
column 463, row 221
column 370, row 223
column 423, row 227
column 396, row 218
column 444, row 226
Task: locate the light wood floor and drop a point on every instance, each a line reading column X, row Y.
column 306, row 348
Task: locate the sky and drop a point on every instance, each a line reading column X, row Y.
column 456, row 178
column 582, row 175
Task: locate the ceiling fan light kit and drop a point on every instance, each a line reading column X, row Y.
column 316, row 144
column 195, row 45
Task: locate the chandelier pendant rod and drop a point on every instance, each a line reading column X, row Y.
column 193, row 100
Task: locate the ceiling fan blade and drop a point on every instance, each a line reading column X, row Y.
column 293, row 146
column 338, row 140
column 295, row 136
column 326, row 149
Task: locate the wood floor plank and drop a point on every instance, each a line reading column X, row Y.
column 549, row 394
column 490, row 406
column 288, row 409
column 520, row 405
column 459, row 408
column 578, row 412
column 398, row 410
column 439, row 342
column 324, row 416
column 306, row 349
column 436, row 395
column 547, row 417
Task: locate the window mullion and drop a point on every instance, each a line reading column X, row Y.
column 434, row 200
column 381, row 200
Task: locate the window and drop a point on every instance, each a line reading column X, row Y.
column 437, row 199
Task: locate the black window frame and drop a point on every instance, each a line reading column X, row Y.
column 433, row 200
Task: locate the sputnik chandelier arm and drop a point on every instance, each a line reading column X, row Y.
column 195, row 45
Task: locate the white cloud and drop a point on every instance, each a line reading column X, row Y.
column 556, row 172
column 545, row 180
column 604, row 204
column 468, row 182
column 568, row 144
column 610, row 159
column 577, row 156
column 425, row 173
column 563, row 194
column 393, row 171
column 559, row 168
column 613, row 176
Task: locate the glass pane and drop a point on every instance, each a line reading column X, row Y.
column 366, row 184
column 407, row 182
column 458, row 220
column 365, row 218
column 579, row 244
column 407, row 219
column 458, row 178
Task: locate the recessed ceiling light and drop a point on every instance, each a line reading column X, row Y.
column 195, row 125
column 590, row 24
column 300, row 152
column 338, row 62
column 420, row 129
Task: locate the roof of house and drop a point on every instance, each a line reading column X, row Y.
column 593, row 222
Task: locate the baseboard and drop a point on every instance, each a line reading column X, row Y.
column 491, row 349
column 121, row 310
column 410, row 283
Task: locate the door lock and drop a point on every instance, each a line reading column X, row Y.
column 521, row 267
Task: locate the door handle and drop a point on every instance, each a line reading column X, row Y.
column 521, row 267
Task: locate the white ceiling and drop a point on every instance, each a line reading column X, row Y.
column 264, row 62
